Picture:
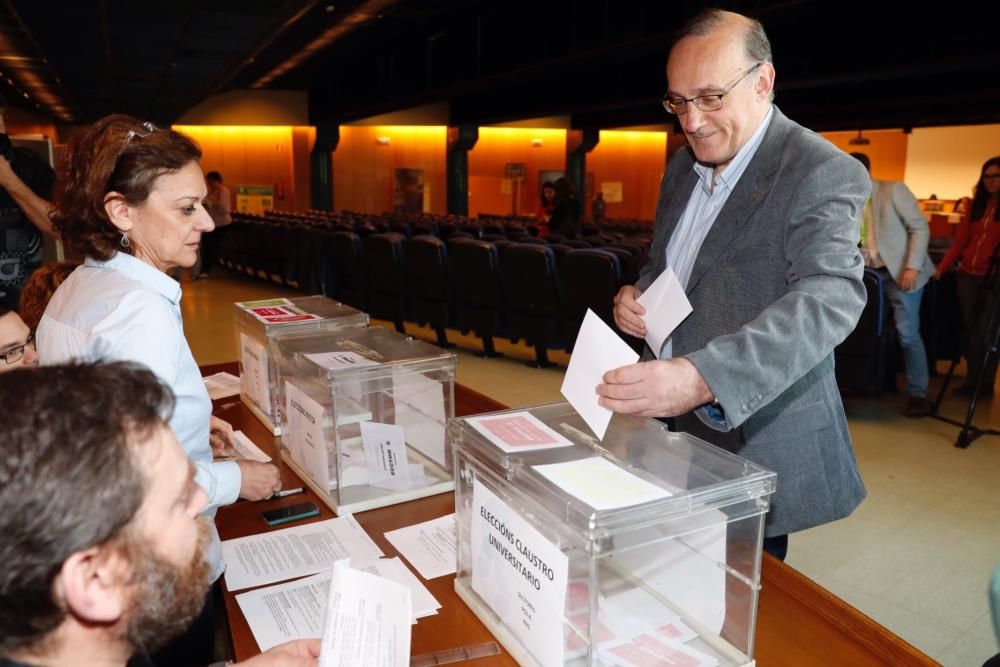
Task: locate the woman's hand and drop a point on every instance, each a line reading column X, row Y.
column 258, row 481
column 221, row 437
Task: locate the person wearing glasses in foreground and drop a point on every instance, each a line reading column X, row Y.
column 17, row 342
column 759, row 219
column 129, row 197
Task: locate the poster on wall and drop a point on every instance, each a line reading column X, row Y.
column 515, row 171
column 612, row 191
column 408, row 195
column 254, row 198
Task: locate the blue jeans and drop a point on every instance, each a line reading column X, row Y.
column 906, row 312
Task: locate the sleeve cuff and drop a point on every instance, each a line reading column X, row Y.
column 221, row 481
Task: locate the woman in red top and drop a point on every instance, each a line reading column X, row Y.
column 975, row 243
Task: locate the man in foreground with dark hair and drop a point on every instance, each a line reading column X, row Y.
column 103, row 548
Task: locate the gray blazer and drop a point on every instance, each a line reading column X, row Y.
column 901, row 230
column 776, row 286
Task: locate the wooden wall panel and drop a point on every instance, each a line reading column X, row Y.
column 364, row 169
column 498, row 146
column 637, row 160
column 887, row 151
column 262, row 155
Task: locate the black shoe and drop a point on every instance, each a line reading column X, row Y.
column 917, row 406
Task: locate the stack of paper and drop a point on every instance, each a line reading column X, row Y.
column 222, row 385
column 295, row 610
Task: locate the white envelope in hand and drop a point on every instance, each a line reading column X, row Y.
column 666, row 307
column 598, row 350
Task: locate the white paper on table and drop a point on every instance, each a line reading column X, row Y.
column 520, row 574
column 598, row 349
column 652, row 651
column 600, row 483
column 430, row 546
column 393, row 569
column 367, row 621
column 341, row 359
column 385, row 455
column 518, row 432
column 666, row 307
column 271, row 557
column 419, row 403
column 222, row 385
column 254, row 379
column 289, row 611
column 246, row 448
column 303, row 434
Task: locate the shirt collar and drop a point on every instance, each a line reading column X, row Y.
column 731, row 173
column 142, row 272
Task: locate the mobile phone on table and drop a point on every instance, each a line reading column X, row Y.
column 282, row 515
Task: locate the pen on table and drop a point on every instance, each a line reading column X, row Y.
column 287, row 492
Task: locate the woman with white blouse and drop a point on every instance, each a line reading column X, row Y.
column 129, row 197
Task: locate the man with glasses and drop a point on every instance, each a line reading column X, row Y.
column 759, row 220
column 17, row 342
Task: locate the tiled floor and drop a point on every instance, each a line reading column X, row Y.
column 916, row 556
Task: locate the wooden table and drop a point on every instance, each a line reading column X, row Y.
column 798, row 623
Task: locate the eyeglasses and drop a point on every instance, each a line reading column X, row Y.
column 14, row 354
column 987, row 177
column 679, row 105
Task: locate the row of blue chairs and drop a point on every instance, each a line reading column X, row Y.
column 534, row 291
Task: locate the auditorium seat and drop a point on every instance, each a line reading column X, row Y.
column 862, row 359
column 346, row 279
column 383, row 255
column 533, row 297
column 590, row 279
column 430, row 284
column 479, row 297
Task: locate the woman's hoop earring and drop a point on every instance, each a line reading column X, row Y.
column 124, row 241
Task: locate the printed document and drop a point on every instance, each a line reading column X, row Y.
column 275, row 556
column 430, row 546
column 367, row 621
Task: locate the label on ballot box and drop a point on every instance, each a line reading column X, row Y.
column 304, row 438
column 254, row 378
column 519, row 574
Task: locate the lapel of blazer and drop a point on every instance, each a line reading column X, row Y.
column 750, row 191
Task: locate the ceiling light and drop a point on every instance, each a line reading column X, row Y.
column 859, row 140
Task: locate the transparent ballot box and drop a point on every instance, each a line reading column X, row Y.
column 259, row 322
column 643, row 549
column 364, row 416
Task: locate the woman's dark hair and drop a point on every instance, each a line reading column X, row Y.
column 541, row 193
column 116, row 154
column 981, row 198
column 69, row 478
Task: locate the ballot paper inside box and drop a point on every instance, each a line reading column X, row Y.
column 364, row 415
column 258, row 323
column 643, row 549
